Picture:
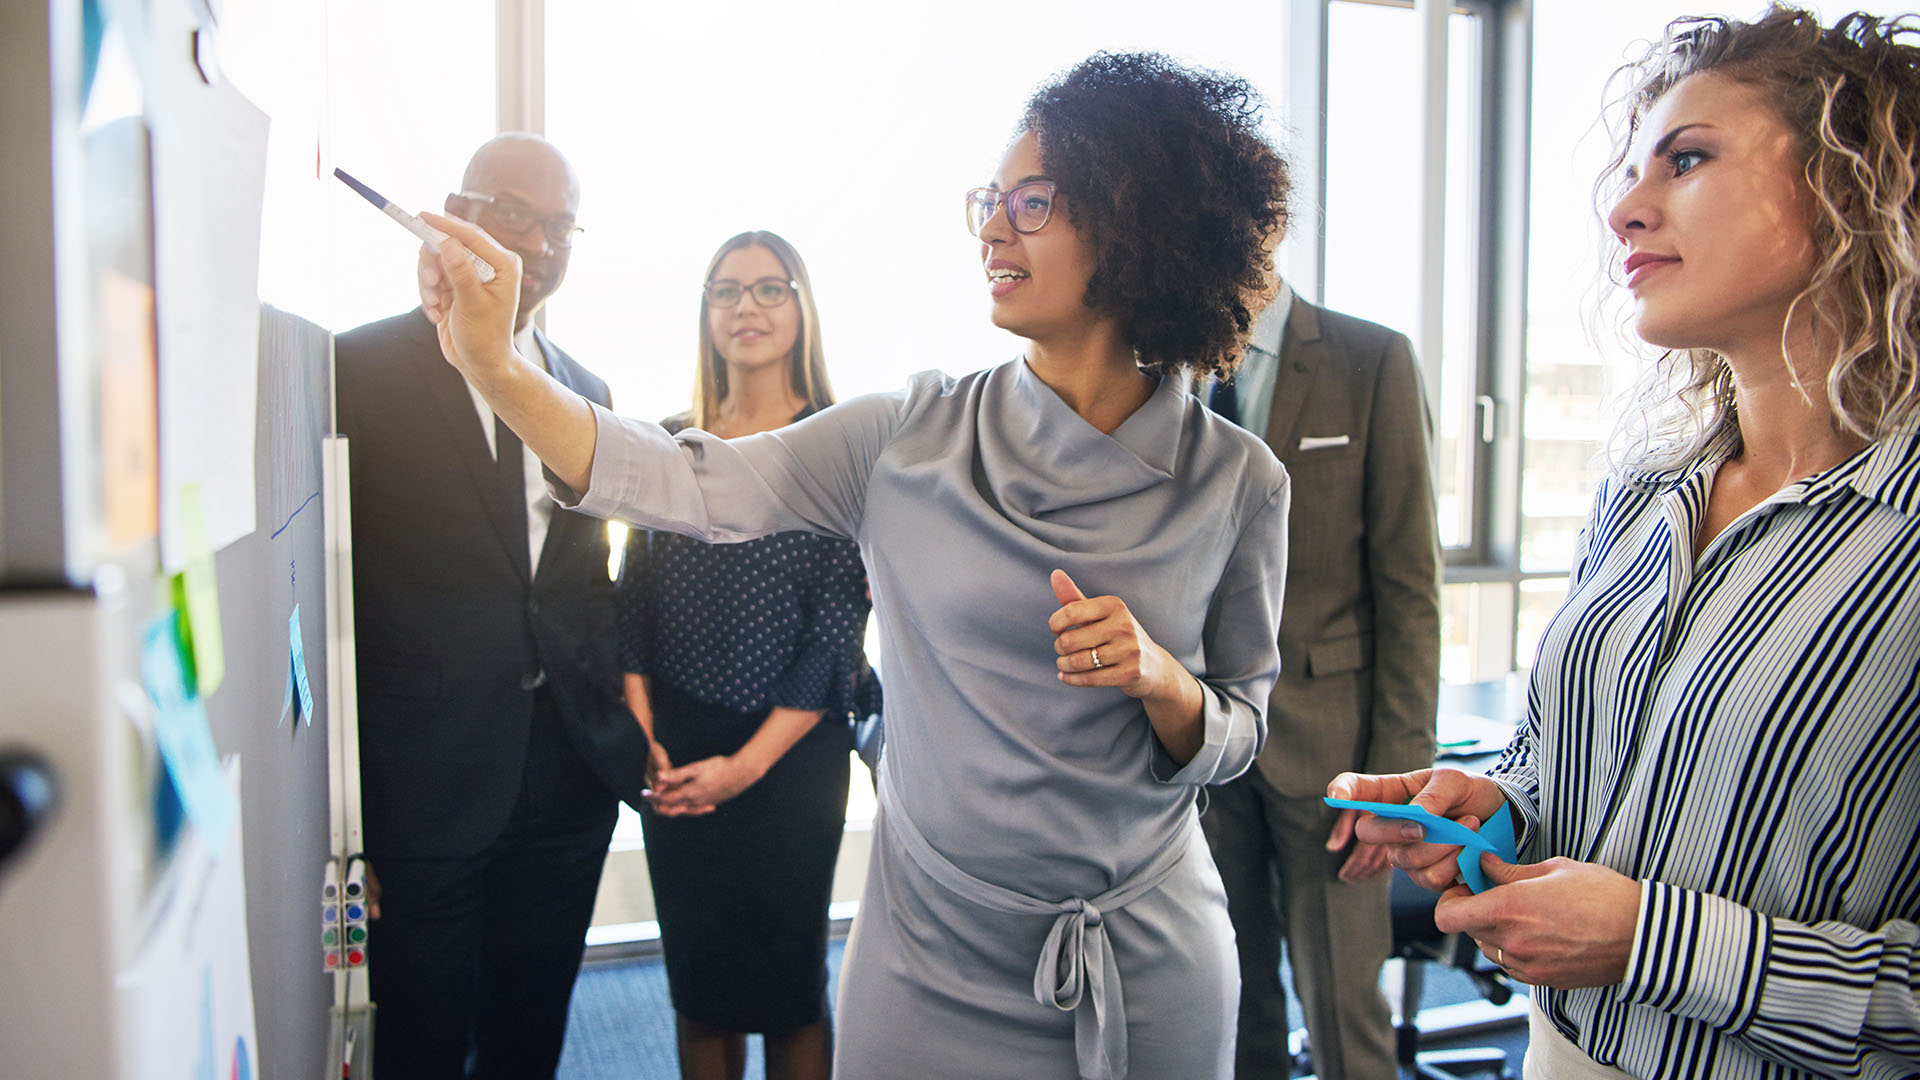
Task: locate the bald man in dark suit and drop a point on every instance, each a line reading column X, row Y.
column 493, row 735
column 1341, row 403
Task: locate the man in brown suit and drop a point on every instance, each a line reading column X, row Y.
column 1340, row 402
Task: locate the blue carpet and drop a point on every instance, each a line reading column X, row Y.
column 620, row 1026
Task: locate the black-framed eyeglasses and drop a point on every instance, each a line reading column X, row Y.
column 767, row 291
column 1028, row 206
column 513, row 216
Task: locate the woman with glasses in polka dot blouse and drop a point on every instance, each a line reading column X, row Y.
column 740, row 662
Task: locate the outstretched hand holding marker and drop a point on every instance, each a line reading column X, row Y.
column 428, row 235
column 475, row 319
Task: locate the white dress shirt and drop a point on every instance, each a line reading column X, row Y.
column 1260, row 364
column 539, row 503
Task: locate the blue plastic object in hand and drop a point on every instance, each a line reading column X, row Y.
column 1495, row 836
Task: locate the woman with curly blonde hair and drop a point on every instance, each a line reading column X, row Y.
column 1717, row 788
column 1854, row 108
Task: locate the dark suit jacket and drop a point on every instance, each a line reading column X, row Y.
column 450, row 634
column 1360, row 632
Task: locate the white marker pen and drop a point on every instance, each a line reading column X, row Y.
column 431, row 236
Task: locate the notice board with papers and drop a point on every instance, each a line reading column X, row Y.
column 163, row 555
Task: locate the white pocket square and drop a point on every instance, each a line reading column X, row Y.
column 1322, row 442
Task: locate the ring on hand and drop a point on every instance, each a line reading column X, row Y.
column 1095, row 653
column 1499, row 957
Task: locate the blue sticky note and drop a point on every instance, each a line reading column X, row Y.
column 1495, row 836
column 300, row 666
column 181, row 730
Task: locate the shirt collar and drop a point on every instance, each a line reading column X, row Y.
column 1886, row 471
column 1271, row 326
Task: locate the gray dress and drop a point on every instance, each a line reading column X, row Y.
column 1035, row 847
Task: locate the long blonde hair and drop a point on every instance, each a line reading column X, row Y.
column 807, row 369
column 1852, row 94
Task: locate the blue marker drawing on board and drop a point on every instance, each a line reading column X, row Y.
column 1495, row 836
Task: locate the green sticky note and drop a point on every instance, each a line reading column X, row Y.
column 197, row 597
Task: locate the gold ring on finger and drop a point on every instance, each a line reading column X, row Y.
column 1095, row 653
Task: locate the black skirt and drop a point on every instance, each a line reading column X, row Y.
column 742, row 892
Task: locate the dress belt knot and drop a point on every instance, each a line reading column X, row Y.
column 1076, row 965
column 1076, row 972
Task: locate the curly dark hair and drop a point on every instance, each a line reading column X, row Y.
column 1165, row 171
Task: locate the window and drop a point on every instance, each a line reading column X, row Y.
column 689, row 126
column 1575, row 379
column 1374, row 256
column 1373, row 215
column 397, row 127
column 851, row 129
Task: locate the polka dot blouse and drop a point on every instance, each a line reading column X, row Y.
column 777, row 621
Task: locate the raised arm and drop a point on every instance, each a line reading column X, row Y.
column 475, row 320
column 811, row 475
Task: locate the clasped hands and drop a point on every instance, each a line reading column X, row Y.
column 697, row 787
column 1558, row 923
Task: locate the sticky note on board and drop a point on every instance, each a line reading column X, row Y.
column 1495, row 836
column 300, row 666
column 180, row 729
column 197, row 597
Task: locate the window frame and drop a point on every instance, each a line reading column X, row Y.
column 1490, row 557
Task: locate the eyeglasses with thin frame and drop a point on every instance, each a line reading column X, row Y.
column 1028, row 206
column 767, row 292
column 514, row 216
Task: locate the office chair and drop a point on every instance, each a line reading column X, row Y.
column 1418, row 942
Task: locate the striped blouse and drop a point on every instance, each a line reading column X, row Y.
column 1741, row 733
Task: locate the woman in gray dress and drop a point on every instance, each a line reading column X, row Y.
column 1076, row 569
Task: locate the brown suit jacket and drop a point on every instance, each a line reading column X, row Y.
column 1360, row 632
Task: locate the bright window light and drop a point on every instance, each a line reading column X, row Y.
column 850, row 128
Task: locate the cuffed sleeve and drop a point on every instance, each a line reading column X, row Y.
column 821, row 674
column 1517, row 774
column 1241, row 638
column 1827, row 997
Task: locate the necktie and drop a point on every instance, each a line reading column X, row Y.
column 513, row 489
column 1224, row 400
